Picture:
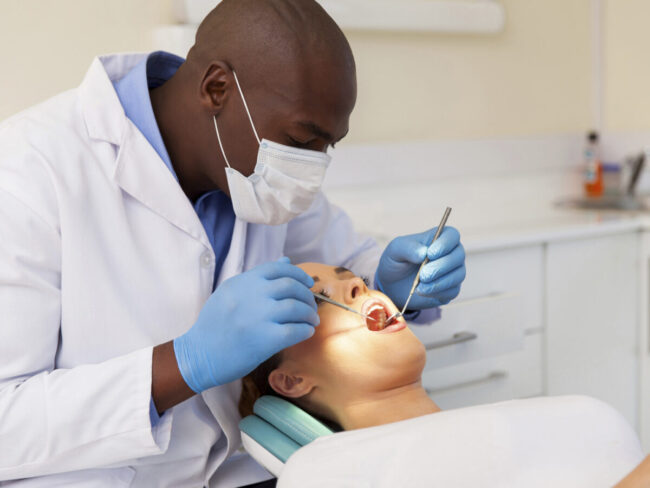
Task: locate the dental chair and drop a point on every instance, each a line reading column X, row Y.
column 566, row 441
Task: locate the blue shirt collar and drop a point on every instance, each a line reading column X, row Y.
column 133, row 92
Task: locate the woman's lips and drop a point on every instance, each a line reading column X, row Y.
column 396, row 326
column 378, row 311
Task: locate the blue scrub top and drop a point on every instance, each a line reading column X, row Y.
column 214, row 208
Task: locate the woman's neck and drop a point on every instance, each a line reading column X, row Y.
column 404, row 402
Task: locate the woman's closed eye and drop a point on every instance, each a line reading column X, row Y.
column 320, row 300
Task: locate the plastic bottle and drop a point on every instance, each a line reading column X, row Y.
column 593, row 175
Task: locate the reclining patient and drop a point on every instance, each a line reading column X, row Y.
column 353, row 376
column 346, row 373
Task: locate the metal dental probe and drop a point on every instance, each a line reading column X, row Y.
column 344, row 307
column 416, row 281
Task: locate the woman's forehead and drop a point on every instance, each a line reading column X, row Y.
column 325, row 272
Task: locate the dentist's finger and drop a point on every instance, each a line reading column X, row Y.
column 406, row 249
column 283, row 268
column 448, row 240
column 444, row 265
column 289, row 334
column 448, row 295
column 291, row 310
column 282, row 288
column 442, row 284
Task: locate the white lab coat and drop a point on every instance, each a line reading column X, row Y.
column 102, row 257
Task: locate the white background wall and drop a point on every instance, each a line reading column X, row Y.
column 535, row 78
column 47, row 45
column 627, row 65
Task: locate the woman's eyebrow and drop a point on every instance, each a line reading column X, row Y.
column 341, row 270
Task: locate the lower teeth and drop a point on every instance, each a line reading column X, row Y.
column 381, row 320
column 376, row 320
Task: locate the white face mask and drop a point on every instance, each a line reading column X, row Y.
column 284, row 184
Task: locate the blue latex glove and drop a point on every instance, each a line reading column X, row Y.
column 248, row 319
column 440, row 279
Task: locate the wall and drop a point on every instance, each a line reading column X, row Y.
column 47, row 45
column 626, row 63
column 534, row 78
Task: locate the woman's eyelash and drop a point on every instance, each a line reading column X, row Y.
column 365, row 280
column 320, row 300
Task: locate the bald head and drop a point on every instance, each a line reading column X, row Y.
column 263, row 37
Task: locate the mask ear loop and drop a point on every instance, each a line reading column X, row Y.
column 246, row 106
column 214, row 118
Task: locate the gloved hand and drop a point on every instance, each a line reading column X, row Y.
column 248, row 318
column 440, row 279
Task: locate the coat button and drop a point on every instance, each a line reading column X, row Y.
column 207, row 260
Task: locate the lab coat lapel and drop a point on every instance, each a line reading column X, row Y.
column 251, row 245
column 138, row 169
column 234, row 262
column 222, row 402
column 141, row 173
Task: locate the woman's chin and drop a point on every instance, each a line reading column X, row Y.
column 406, row 356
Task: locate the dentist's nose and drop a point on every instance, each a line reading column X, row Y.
column 354, row 288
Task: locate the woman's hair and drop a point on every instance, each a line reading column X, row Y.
column 256, row 384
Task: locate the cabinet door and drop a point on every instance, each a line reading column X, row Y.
column 591, row 344
column 495, row 379
column 644, row 339
column 518, row 270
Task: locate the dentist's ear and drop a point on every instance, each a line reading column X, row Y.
column 288, row 384
column 216, row 84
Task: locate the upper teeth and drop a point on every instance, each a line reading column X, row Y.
column 374, row 307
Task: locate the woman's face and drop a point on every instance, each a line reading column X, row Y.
column 344, row 360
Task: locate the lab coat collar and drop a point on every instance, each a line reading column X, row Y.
column 138, row 169
column 102, row 111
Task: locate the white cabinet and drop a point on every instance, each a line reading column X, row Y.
column 591, row 320
column 578, row 334
column 487, row 346
column 515, row 270
column 514, row 375
column 644, row 339
column 473, row 330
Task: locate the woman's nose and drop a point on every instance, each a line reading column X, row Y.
column 355, row 287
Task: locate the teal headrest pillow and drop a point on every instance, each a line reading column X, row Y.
column 281, row 427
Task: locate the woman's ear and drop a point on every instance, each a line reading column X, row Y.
column 289, row 384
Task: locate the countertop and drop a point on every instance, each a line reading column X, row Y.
column 496, row 212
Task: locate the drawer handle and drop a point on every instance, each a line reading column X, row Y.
column 493, row 376
column 457, row 338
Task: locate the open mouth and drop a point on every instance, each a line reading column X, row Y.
column 377, row 313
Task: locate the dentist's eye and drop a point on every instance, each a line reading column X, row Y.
column 296, row 143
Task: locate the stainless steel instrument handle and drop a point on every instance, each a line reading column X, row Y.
column 493, row 376
column 457, row 338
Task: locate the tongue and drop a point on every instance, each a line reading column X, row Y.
column 379, row 321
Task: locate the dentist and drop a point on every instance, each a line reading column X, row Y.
column 144, row 220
